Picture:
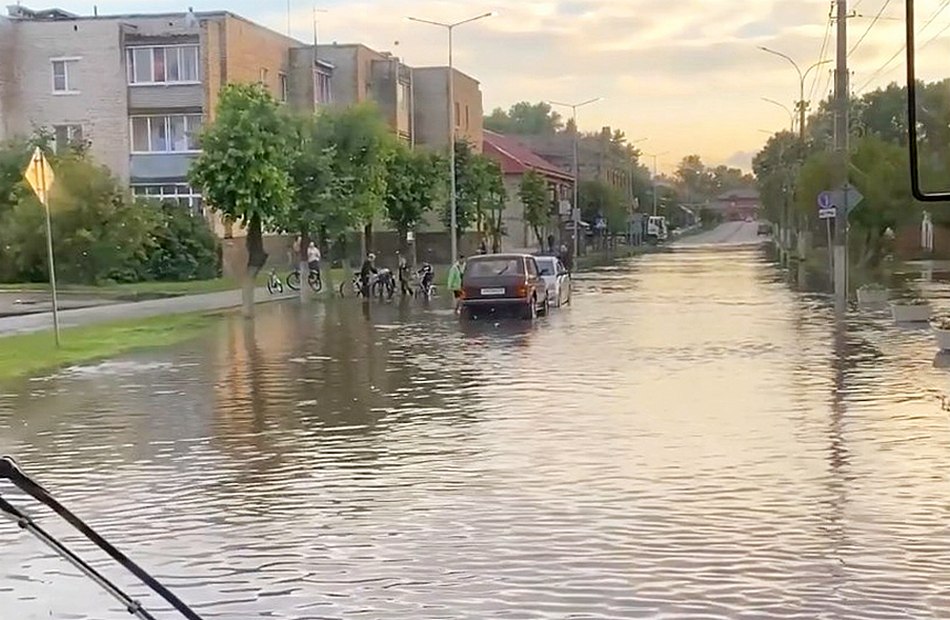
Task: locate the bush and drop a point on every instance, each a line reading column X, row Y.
column 183, row 246
column 100, row 235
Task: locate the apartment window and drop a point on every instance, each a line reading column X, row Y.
column 167, row 64
column 321, row 88
column 402, row 96
column 458, row 117
column 184, row 195
column 177, row 133
column 467, row 118
column 64, row 75
column 284, row 89
column 263, row 75
column 66, row 136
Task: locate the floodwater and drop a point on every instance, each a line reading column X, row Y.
column 694, row 438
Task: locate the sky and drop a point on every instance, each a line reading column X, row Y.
column 687, row 75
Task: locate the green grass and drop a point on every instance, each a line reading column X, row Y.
column 25, row 355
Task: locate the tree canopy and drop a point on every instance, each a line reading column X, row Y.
column 525, row 118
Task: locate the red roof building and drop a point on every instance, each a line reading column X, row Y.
column 515, row 160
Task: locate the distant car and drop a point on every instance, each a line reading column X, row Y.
column 765, row 228
column 748, row 219
column 557, row 278
column 493, row 283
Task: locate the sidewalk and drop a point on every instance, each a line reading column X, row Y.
column 208, row 302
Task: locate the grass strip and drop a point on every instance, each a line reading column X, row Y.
column 23, row 355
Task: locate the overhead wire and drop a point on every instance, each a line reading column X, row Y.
column 869, row 28
column 881, row 70
column 821, row 55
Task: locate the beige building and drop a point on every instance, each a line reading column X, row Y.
column 361, row 74
column 138, row 88
column 431, row 113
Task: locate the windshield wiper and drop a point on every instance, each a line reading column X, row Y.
column 10, row 471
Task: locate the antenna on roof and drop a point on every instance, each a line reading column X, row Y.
column 95, row 11
column 190, row 20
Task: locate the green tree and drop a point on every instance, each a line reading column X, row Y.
column 533, row 193
column 182, row 245
column 361, row 146
column 413, row 185
column 525, row 118
column 100, row 234
column 244, row 169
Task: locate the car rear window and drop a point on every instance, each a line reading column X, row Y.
column 547, row 263
column 491, row 267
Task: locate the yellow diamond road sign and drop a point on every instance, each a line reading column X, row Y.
column 39, row 174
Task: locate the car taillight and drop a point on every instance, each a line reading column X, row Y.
column 521, row 290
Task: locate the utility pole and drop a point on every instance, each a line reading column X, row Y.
column 842, row 100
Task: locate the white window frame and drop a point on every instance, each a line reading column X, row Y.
column 182, row 190
column 166, row 118
column 130, row 64
column 66, row 60
column 283, row 84
column 71, row 131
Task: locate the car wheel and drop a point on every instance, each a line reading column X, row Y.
column 530, row 310
column 545, row 307
column 466, row 314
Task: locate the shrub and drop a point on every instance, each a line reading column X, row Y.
column 182, row 246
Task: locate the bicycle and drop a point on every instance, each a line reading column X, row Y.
column 314, row 280
column 425, row 288
column 381, row 285
column 274, row 285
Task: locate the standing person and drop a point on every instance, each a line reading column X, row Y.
column 567, row 258
column 482, row 248
column 405, row 285
column 454, row 283
column 367, row 271
column 294, row 253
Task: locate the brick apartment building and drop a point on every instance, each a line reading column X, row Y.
column 139, row 87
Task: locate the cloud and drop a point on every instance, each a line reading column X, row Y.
column 687, row 74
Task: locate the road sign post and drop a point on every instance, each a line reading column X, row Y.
column 40, row 176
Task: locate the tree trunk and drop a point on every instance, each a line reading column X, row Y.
column 367, row 239
column 256, row 259
column 304, row 266
column 326, row 265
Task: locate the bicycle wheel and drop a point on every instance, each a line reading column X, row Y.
column 343, row 287
column 293, row 280
column 316, row 283
column 274, row 287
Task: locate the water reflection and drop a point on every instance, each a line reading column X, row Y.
column 694, row 437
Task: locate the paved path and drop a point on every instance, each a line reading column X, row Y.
column 133, row 310
column 729, row 233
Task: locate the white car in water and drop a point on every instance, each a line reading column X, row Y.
column 557, row 280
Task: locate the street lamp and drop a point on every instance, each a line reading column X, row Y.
column 576, row 212
column 450, row 27
column 802, row 104
column 655, row 156
column 791, row 115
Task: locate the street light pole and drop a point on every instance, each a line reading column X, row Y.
column 576, row 211
column 802, row 76
column 791, row 115
column 453, row 199
column 655, row 156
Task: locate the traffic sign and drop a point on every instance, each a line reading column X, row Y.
column 849, row 195
column 39, row 174
column 826, row 201
column 827, row 214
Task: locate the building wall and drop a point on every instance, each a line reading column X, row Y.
column 101, row 103
column 7, row 85
column 432, row 112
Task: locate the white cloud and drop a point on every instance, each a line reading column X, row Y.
column 685, row 73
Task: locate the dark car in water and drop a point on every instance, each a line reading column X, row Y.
column 494, row 283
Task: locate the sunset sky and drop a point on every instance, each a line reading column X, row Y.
column 685, row 74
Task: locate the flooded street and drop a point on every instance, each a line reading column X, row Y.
column 692, row 439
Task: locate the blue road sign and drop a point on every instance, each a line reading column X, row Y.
column 826, row 200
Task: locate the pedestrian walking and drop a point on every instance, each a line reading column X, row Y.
column 454, row 283
column 367, row 271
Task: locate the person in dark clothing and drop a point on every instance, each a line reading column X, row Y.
column 405, row 280
column 482, row 247
column 551, row 245
column 367, row 271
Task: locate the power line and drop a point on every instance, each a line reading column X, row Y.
column 821, row 54
column 930, row 20
column 870, row 26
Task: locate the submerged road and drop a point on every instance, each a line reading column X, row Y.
column 692, row 438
